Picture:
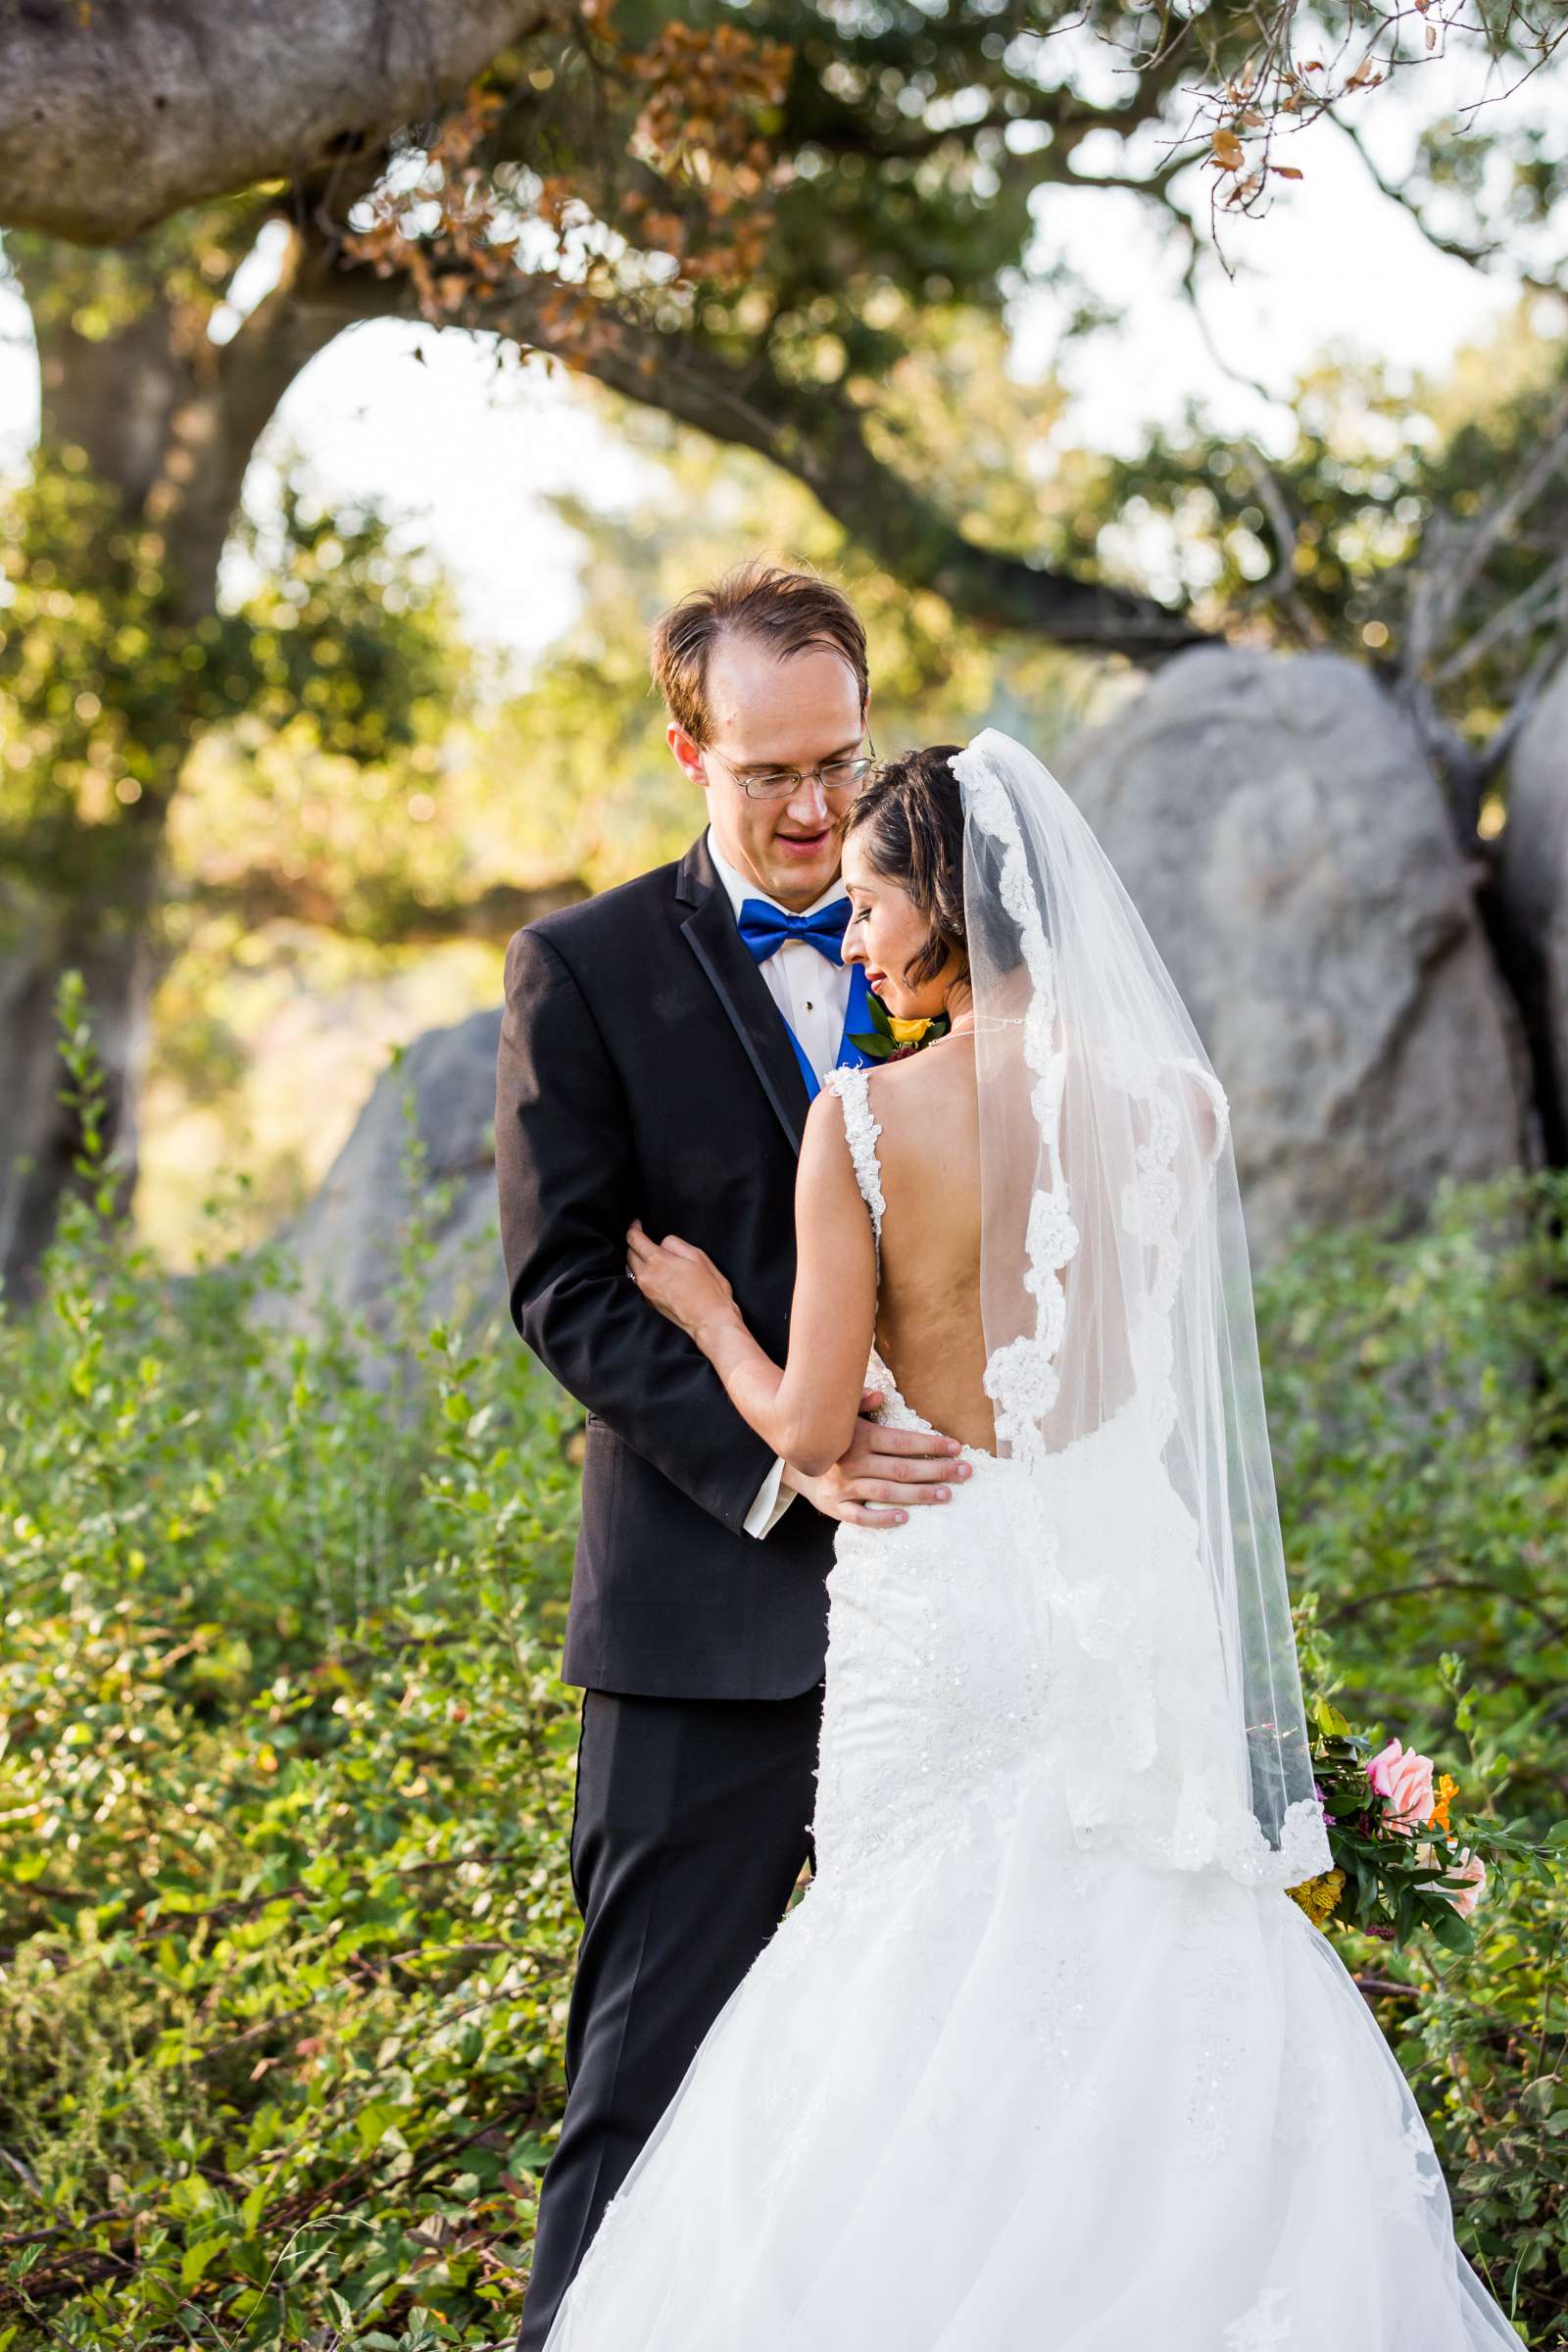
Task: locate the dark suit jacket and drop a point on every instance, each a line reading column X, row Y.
column 645, row 1071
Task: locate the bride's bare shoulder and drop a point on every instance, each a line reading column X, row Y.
column 948, row 1062
column 937, row 1084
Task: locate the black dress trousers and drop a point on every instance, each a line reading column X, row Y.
column 691, row 1825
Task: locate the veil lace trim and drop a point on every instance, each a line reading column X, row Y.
column 1021, row 1378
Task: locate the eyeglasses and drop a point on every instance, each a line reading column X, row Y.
column 834, row 775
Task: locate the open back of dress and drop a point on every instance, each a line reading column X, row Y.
column 920, row 1184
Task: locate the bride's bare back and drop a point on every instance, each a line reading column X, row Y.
column 928, row 1330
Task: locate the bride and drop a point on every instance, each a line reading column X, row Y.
column 1043, row 2060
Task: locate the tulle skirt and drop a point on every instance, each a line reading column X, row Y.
column 987, row 2092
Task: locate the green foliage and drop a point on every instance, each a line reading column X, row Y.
column 284, row 1795
column 343, row 645
column 1349, row 536
column 80, row 597
column 1418, row 1404
column 922, row 147
column 182, row 265
column 351, row 637
column 604, row 799
column 288, row 1778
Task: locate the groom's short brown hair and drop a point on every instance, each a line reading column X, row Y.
column 782, row 610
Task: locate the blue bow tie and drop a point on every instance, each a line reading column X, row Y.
column 765, row 928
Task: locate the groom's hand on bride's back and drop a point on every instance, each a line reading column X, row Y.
column 885, row 1474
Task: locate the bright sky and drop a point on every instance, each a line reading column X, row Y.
column 468, row 454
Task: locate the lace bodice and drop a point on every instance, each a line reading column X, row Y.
column 862, row 1128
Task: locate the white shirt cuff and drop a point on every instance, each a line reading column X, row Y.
column 770, row 1504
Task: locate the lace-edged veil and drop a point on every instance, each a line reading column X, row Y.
column 1122, row 1353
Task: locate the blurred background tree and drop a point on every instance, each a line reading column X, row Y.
column 792, row 232
column 1425, row 526
column 603, row 796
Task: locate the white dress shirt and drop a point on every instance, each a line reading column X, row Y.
column 813, row 995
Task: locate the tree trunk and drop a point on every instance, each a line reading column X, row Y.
column 170, row 422
column 41, row 939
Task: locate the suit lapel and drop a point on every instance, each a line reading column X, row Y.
column 709, row 931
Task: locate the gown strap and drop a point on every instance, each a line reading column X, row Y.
column 861, row 1129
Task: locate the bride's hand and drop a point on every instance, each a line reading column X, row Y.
column 681, row 1281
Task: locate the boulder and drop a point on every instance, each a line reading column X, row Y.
column 1534, row 884
column 441, row 1094
column 1276, row 822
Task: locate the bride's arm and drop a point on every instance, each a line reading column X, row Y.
column 807, row 1409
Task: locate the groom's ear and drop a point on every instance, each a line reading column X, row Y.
column 686, row 754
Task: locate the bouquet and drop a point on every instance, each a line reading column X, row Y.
column 1399, row 1867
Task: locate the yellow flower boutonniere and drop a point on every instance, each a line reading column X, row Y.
column 889, row 1040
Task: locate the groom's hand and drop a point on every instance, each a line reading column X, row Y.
column 884, row 1473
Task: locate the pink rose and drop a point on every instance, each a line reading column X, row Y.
column 1404, row 1780
column 1473, row 1871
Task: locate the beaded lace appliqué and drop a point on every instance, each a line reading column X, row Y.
column 1021, row 1378
column 861, row 1127
column 1264, row 2326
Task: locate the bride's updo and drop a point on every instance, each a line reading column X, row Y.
column 907, row 818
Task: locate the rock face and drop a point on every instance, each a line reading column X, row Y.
column 1535, row 883
column 346, row 1244
column 1276, row 824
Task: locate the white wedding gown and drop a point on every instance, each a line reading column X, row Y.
column 985, row 2092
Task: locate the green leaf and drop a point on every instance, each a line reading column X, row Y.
column 199, row 2257
column 374, row 2121
column 1454, row 1934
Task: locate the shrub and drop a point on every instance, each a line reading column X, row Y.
column 1418, row 1404
column 286, row 1782
column 284, row 1799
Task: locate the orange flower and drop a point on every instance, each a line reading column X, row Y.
column 1447, row 1790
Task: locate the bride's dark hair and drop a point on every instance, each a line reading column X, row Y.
column 909, row 819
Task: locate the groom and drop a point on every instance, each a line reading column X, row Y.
column 658, row 1053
